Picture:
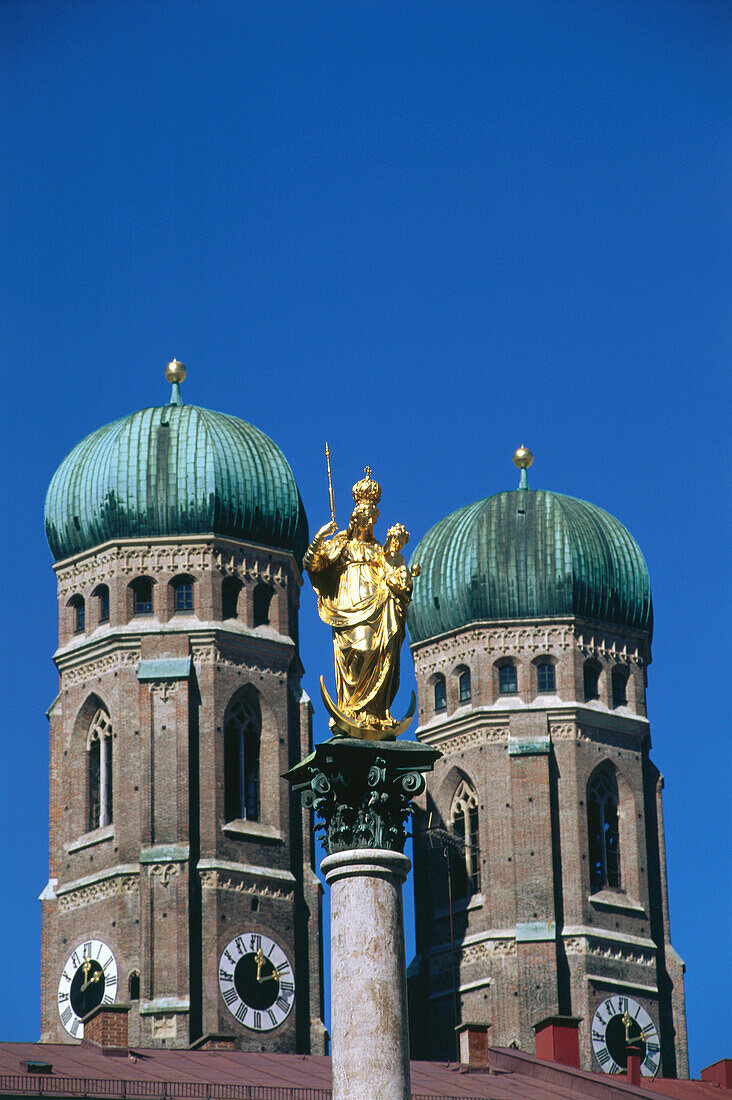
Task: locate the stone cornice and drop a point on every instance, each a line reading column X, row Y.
column 483, row 725
column 186, row 554
column 533, row 636
column 120, row 648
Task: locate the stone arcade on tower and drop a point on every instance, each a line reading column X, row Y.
column 181, row 867
column 531, row 634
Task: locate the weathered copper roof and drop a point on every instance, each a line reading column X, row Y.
column 86, row 1070
column 174, row 470
column 528, row 554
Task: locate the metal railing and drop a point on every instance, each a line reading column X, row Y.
column 90, row 1088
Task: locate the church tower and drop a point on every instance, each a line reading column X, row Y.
column 539, row 858
column 181, row 867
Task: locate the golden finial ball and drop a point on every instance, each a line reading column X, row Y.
column 175, row 371
column 523, row 458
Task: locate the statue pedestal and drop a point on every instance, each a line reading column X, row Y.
column 362, row 790
column 368, row 974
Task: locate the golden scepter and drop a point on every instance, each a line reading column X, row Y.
column 330, row 486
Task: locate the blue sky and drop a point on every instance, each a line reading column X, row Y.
column 426, row 232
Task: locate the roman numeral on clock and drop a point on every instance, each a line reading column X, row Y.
column 241, row 1013
column 603, row 1056
column 230, row 996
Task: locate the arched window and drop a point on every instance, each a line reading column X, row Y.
column 545, row 677
column 620, row 687
column 261, row 599
column 101, row 592
column 440, row 693
column 99, row 766
column 142, row 596
column 464, row 685
column 464, row 824
column 182, row 595
column 602, row 824
column 591, row 673
column 78, row 613
column 230, row 590
column 133, row 986
column 507, row 684
column 242, row 730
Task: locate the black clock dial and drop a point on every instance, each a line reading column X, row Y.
column 256, row 980
column 87, row 987
column 616, row 1043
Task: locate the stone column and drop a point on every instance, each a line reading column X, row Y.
column 361, row 790
column 368, row 974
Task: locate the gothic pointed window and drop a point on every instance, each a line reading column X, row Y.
column 440, row 693
column 464, row 686
column 242, row 731
column 464, row 824
column 603, row 830
column 99, row 770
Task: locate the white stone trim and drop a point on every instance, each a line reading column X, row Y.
column 86, row 840
column 613, row 937
column 231, row 868
column 241, row 827
column 624, row 984
column 98, row 876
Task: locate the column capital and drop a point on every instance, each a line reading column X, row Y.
column 362, row 790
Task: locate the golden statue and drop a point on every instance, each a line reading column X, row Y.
column 364, row 590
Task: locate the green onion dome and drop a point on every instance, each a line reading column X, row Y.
column 528, row 555
column 175, row 470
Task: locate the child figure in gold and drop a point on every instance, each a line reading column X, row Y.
column 363, row 594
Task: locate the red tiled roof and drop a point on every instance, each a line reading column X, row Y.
column 84, row 1069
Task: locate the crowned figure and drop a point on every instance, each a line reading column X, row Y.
column 364, row 590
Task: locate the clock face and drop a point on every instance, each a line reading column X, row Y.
column 617, row 1022
column 256, row 981
column 89, row 978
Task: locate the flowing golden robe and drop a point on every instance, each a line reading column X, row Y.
column 363, row 599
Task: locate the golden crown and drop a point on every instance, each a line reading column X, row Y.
column 367, row 490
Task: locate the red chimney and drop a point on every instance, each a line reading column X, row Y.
column 719, row 1073
column 473, row 1044
column 557, row 1040
column 634, row 1055
column 106, row 1026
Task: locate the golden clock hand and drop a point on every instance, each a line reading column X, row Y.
column 86, row 967
column 259, row 958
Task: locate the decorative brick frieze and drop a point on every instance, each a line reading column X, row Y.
column 217, row 880
column 615, row 738
column 452, row 742
column 475, row 641
column 79, row 896
column 98, row 666
column 153, row 558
